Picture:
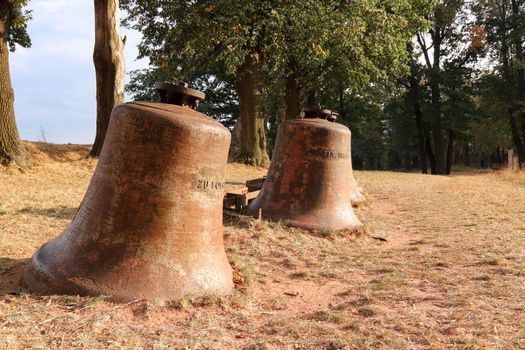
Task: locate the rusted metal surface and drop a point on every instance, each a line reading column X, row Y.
column 356, row 192
column 308, row 181
column 150, row 224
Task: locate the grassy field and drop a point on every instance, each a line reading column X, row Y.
column 440, row 266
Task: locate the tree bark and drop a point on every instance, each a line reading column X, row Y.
column 439, row 151
column 253, row 135
column 520, row 72
column 292, row 97
column 108, row 58
column 420, row 138
column 415, row 96
column 313, row 99
column 450, row 150
column 516, row 138
column 11, row 148
column 511, row 111
column 431, row 157
column 466, row 154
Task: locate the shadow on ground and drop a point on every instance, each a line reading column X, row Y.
column 55, row 213
column 11, row 275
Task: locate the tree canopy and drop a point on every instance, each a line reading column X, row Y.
column 13, row 32
column 16, row 17
column 279, row 55
column 416, row 81
column 308, row 39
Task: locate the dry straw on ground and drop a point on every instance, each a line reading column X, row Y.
column 446, row 270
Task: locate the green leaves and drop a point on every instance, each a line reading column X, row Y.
column 306, row 38
column 14, row 14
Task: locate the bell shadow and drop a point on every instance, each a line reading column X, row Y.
column 12, row 275
column 55, row 213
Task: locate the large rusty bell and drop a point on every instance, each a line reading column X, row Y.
column 307, row 184
column 150, row 224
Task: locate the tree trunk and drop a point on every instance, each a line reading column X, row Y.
column 520, row 72
column 108, row 58
column 416, row 95
column 253, row 136
column 504, row 52
column 292, row 97
column 313, row 100
column 516, row 135
column 450, row 150
column 516, row 138
column 11, row 148
column 439, row 151
column 466, row 155
column 431, row 157
column 420, row 137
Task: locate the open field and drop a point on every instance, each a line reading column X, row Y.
column 440, row 266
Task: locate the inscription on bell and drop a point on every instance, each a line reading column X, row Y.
column 330, row 154
column 206, row 184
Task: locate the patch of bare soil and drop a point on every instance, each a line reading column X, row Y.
column 441, row 266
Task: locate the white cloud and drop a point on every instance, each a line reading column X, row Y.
column 54, row 80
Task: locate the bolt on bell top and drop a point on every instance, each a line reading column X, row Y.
column 308, row 181
column 150, row 224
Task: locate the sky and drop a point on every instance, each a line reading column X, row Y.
column 54, row 79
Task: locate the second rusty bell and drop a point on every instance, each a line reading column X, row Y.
column 308, row 182
column 150, row 224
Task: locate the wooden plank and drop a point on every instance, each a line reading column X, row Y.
column 255, row 184
column 252, row 195
column 238, row 198
column 237, row 191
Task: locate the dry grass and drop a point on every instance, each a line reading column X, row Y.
column 451, row 273
column 514, row 176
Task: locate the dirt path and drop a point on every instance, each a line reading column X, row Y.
column 457, row 243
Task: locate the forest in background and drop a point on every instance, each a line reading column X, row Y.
column 421, row 85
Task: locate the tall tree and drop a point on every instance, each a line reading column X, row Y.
column 518, row 38
column 443, row 36
column 276, row 49
column 188, row 39
column 504, row 31
column 253, row 132
column 348, row 43
column 108, row 58
column 13, row 24
column 414, row 100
